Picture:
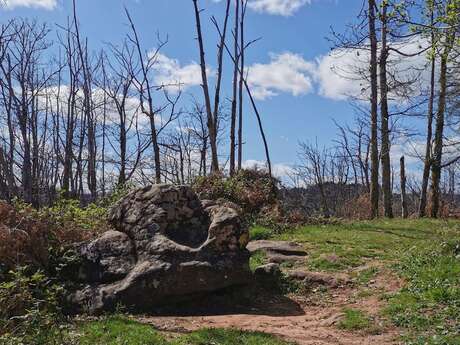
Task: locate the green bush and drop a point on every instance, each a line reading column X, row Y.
column 69, row 211
column 29, row 308
column 254, row 191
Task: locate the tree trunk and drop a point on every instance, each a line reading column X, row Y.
column 240, row 87
column 235, row 89
column 374, row 195
column 404, row 211
column 261, row 128
column 240, row 112
column 429, row 131
column 385, row 117
column 212, row 127
column 438, row 137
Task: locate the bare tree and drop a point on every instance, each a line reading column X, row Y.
column 450, row 11
column 243, row 5
column 385, row 116
column 236, row 54
column 313, row 167
column 212, row 125
column 374, row 185
column 429, row 122
column 402, row 174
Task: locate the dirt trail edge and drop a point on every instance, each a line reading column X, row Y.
column 304, row 320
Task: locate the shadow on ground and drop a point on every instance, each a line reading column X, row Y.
column 252, row 300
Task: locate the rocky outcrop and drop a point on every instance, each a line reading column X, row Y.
column 167, row 245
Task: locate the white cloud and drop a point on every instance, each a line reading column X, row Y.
column 45, row 4
column 343, row 73
column 277, row 7
column 286, row 72
column 170, row 73
column 279, row 170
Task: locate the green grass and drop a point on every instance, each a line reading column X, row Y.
column 228, row 337
column 257, row 259
column 355, row 320
column 365, row 276
column 424, row 252
column 343, row 246
column 429, row 305
column 118, row 330
column 260, row 233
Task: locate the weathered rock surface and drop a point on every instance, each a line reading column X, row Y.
column 268, row 274
column 167, row 245
column 279, row 251
column 312, row 279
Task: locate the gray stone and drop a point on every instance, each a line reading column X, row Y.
column 167, row 245
column 106, row 259
column 279, row 251
column 280, row 247
column 268, row 275
column 311, row 279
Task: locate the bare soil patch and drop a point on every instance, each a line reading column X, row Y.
column 308, row 318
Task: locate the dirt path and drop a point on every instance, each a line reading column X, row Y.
column 310, row 319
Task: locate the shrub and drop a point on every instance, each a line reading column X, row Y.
column 357, row 208
column 23, row 239
column 29, row 308
column 252, row 190
column 69, row 213
column 31, row 237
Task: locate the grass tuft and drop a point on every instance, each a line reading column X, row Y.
column 117, row 330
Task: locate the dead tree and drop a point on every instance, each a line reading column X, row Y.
column 313, row 168
column 88, row 108
column 212, row 125
column 146, row 93
column 243, row 5
column 429, row 122
column 402, row 174
column 385, row 117
column 374, row 195
column 236, row 54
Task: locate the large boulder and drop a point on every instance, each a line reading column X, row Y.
column 167, row 245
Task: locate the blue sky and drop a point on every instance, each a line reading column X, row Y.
column 298, row 94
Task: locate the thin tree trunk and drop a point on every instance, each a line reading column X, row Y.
column 211, row 125
column 261, row 128
column 438, row 138
column 235, row 89
column 374, row 195
column 385, row 133
column 429, row 135
column 404, row 211
column 240, row 88
column 151, row 111
column 91, row 124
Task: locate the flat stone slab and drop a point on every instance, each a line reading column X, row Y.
column 276, row 258
column 318, row 278
column 284, row 248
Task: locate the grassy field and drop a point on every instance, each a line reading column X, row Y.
column 425, row 254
